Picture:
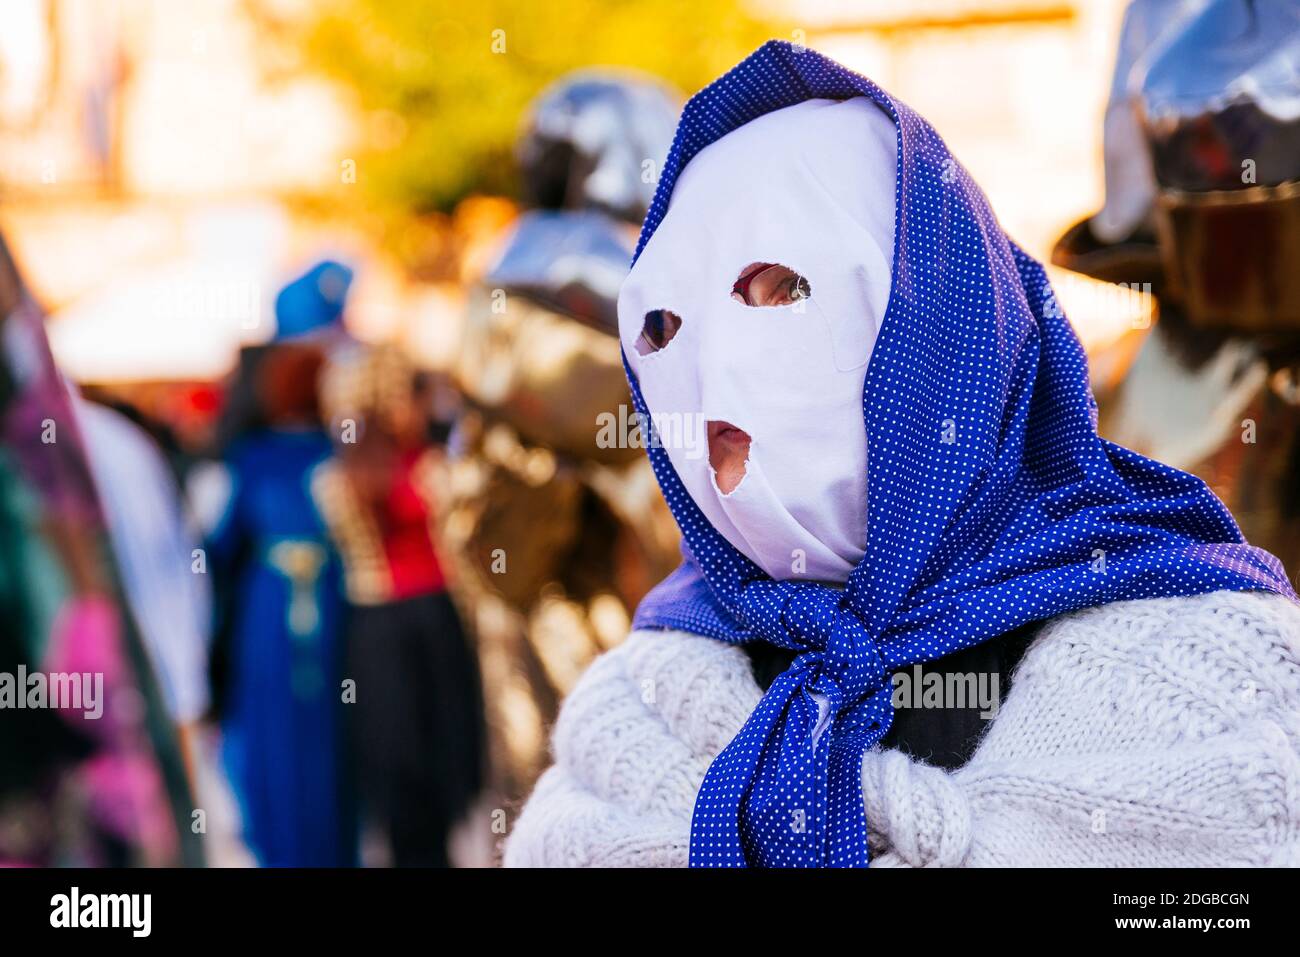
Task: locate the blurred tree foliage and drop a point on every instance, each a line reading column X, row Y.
column 444, row 85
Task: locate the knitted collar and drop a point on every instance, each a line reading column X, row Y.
column 991, row 499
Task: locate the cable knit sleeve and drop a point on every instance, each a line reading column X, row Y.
column 631, row 746
column 1154, row 733
column 1158, row 733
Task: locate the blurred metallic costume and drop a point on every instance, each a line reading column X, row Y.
column 1203, row 204
column 541, row 507
column 590, row 139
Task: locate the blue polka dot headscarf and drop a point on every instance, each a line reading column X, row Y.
column 991, row 499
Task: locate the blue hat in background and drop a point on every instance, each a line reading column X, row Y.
column 313, row 302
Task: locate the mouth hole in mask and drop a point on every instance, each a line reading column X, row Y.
column 728, row 454
column 770, row 284
column 659, row 328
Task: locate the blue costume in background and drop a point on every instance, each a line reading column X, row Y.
column 282, row 731
column 283, row 721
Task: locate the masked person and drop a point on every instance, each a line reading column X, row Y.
column 282, row 604
column 895, row 477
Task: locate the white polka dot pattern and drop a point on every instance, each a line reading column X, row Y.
column 992, row 501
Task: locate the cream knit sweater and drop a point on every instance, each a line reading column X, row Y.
column 1163, row 732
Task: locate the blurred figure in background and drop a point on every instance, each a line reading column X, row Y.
column 550, row 519
column 280, row 620
column 96, row 780
column 1203, row 210
column 163, row 577
column 417, row 722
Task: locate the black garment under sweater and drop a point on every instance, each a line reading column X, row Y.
column 417, row 729
column 942, row 737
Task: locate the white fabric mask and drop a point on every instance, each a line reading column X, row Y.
column 809, row 187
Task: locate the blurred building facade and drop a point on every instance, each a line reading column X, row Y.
column 145, row 148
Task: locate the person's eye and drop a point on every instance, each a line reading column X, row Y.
column 797, row 288
column 657, row 331
column 770, row 284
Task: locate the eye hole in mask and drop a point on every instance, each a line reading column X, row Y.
column 770, row 284
column 657, row 331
